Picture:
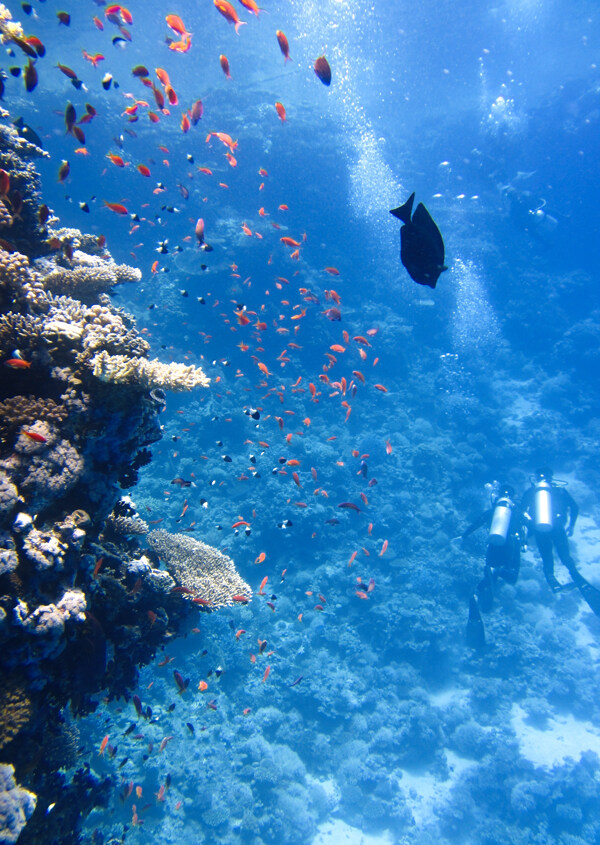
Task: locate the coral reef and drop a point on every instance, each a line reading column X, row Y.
column 206, row 572
column 80, row 609
column 16, row 806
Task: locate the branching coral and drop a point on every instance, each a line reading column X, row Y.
column 149, row 375
column 206, row 571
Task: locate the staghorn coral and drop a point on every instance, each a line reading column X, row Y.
column 16, row 709
column 148, row 375
column 16, row 804
column 201, row 568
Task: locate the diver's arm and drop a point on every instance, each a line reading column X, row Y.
column 477, row 524
column 573, row 512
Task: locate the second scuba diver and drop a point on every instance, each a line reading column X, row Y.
column 551, row 513
column 505, row 524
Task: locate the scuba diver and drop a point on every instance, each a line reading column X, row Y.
column 551, row 513
column 505, row 524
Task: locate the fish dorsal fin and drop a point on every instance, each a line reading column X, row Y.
column 423, row 220
column 403, row 212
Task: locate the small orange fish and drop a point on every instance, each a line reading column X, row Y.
column 266, row 675
column 239, row 633
column 261, row 557
column 143, row 169
column 229, row 13
column 383, row 548
column 283, row 45
column 175, row 23
column 388, row 447
column 333, row 271
column 262, row 585
column 117, row 207
column 289, row 241
column 202, row 686
column 361, row 594
column 103, row 745
column 17, row 364
column 280, row 109
column 116, row 160
column 381, row 388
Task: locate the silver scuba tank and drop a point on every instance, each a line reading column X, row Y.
column 500, row 521
column 542, row 507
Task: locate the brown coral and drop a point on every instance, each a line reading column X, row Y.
column 206, row 571
column 15, row 708
column 17, row 411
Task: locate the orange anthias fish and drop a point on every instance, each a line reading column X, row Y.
column 251, row 6
column 283, row 45
column 116, row 207
column 224, row 62
column 229, row 13
column 279, row 107
column 175, row 23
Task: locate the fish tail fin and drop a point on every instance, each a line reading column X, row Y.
column 239, row 23
column 403, row 212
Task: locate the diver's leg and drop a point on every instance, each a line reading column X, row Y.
column 561, row 541
column 544, row 544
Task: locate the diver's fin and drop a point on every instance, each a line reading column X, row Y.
column 590, row 594
column 475, row 629
column 403, row 212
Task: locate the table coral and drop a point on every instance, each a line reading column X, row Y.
column 204, row 570
column 119, row 369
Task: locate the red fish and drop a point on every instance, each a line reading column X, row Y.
column 280, row 109
column 224, row 62
column 283, row 45
column 33, row 435
column 116, row 207
column 349, row 506
column 322, row 70
column 229, row 13
column 17, row 364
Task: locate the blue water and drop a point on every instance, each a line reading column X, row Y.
column 397, row 732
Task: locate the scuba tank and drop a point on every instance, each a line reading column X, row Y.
column 542, row 507
column 500, row 521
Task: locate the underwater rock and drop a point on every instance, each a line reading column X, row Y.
column 16, row 806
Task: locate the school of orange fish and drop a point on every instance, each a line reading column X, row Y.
column 269, row 336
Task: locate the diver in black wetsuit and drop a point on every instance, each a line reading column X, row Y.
column 551, row 513
column 503, row 556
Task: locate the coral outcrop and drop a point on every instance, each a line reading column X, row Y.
column 80, row 607
column 208, row 574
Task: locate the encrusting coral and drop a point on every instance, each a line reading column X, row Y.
column 210, row 575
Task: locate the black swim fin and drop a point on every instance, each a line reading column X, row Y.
column 403, row 212
column 475, row 629
column 485, row 590
column 590, row 594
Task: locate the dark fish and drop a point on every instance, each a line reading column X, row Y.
column 137, row 703
column 475, row 629
column 64, row 18
column 422, row 247
column 190, row 727
column 323, row 70
column 297, row 681
column 130, row 729
column 30, row 76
